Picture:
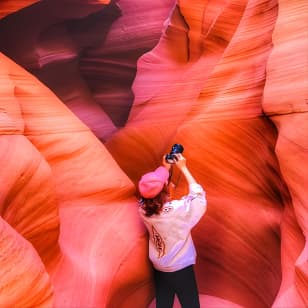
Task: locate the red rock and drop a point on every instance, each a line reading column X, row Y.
column 9, row 7
column 225, row 79
column 24, row 281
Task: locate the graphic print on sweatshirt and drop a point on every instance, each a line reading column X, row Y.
column 158, row 242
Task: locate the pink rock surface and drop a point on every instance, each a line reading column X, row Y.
column 24, row 281
column 286, row 103
column 93, row 197
column 120, row 82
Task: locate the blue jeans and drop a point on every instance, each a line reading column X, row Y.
column 182, row 283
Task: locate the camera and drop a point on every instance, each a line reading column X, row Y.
column 176, row 149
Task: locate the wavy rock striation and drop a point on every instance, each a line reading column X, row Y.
column 286, row 104
column 92, row 96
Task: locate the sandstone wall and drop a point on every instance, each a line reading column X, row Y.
column 93, row 93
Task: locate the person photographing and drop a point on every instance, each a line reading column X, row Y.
column 169, row 223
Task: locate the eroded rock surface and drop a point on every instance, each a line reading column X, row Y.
column 92, row 96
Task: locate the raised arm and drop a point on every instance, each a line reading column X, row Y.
column 181, row 164
column 195, row 201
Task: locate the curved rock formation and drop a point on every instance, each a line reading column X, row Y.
column 92, row 97
column 24, row 281
column 92, row 194
column 286, row 103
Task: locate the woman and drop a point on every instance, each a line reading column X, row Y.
column 169, row 223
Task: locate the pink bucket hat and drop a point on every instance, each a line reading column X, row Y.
column 152, row 183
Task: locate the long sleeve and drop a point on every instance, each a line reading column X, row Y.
column 195, row 204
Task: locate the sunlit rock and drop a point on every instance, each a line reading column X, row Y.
column 120, row 83
column 24, row 281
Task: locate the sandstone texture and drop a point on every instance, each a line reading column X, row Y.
column 94, row 93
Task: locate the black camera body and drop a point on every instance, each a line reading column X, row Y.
column 176, row 149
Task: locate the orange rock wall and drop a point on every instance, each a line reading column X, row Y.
column 92, row 96
column 286, row 103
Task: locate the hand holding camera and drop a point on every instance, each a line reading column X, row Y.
column 175, row 157
column 181, row 161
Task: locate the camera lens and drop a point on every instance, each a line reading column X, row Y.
column 176, row 149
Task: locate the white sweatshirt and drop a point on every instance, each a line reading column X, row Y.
column 171, row 247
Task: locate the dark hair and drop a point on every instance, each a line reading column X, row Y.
column 154, row 205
